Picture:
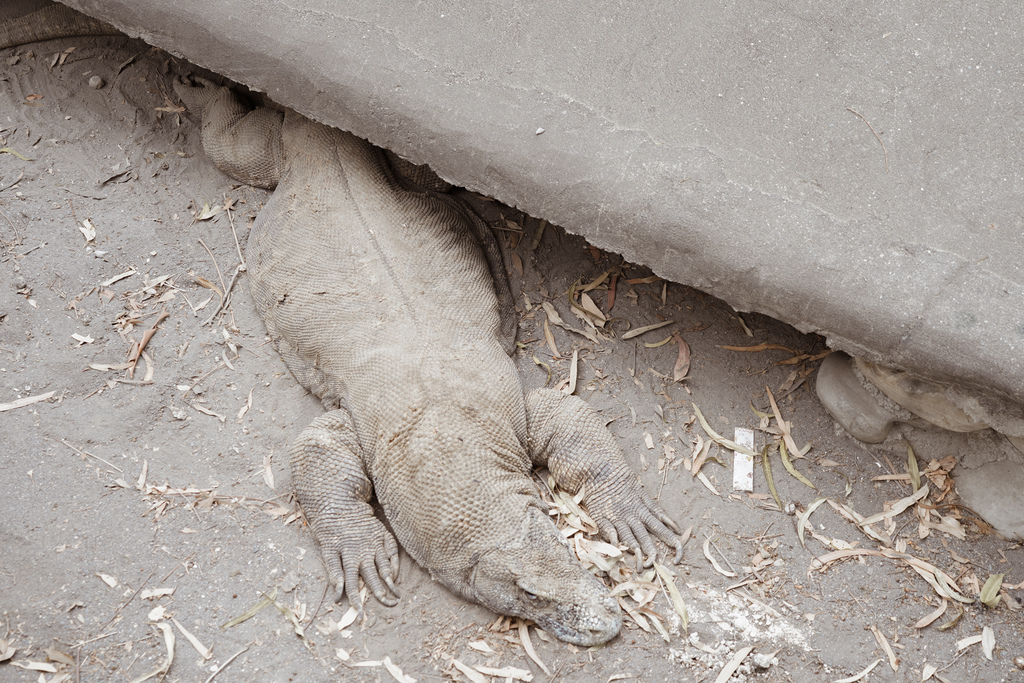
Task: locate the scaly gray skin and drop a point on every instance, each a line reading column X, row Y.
column 28, row 21
column 389, row 301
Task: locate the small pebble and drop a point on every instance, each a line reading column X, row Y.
column 790, row 509
column 96, row 82
column 1019, row 661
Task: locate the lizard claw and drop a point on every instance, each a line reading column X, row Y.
column 366, row 551
column 195, row 91
column 631, row 518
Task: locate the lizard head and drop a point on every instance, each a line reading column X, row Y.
column 536, row 576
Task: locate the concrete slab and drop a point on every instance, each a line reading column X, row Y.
column 850, row 168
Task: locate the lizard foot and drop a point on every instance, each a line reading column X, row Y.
column 196, row 92
column 333, row 489
column 362, row 547
column 625, row 513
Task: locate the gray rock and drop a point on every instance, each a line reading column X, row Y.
column 849, row 403
column 996, row 492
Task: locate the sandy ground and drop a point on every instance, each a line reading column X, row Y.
column 121, row 484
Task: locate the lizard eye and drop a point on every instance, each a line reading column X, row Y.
column 529, row 595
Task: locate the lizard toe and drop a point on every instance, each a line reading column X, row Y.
column 373, row 581
column 384, row 570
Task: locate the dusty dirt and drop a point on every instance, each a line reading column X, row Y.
column 124, row 483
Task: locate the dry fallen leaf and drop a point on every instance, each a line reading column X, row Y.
column 12, row 152
column 641, row 330
column 714, row 562
column 988, row 642
column 524, row 638
column 6, row 650
column 396, row 673
column 990, row 591
column 549, row 338
column 36, row 666
column 650, row 279
column 88, row 230
column 861, row 675
column 941, row 582
column 965, row 643
column 932, row 616
column 472, row 674
column 718, row 438
column 674, row 596
column 894, row 662
column 207, row 411
column 588, row 305
column 28, row 400
column 207, row 213
column 268, row 472
column 169, row 644
column 682, row 366
column 570, row 387
column 702, row 478
column 108, row 579
column 55, row 655
column 730, row 668
column 805, row 517
column 203, row 651
column 508, row 673
column 152, row 593
column 245, row 408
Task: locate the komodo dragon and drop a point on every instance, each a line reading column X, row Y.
column 389, row 301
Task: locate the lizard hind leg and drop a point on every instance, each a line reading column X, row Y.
column 330, row 480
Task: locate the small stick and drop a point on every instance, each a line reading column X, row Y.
column 196, row 383
column 176, row 567
column 722, row 554
column 31, row 249
column 884, row 152
column 214, row 258
column 118, row 610
column 226, row 299
column 15, row 182
column 133, row 358
column 73, row 216
column 86, row 642
column 14, row 227
column 191, row 506
column 224, row 665
column 81, row 452
column 327, row 585
column 231, row 220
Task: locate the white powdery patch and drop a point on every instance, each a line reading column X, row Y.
column 742, row 620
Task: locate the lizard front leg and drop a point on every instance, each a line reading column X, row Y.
column 243, row 142
column 332, row 487
column 567, row 436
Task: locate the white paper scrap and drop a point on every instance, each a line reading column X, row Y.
column 743, row 465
